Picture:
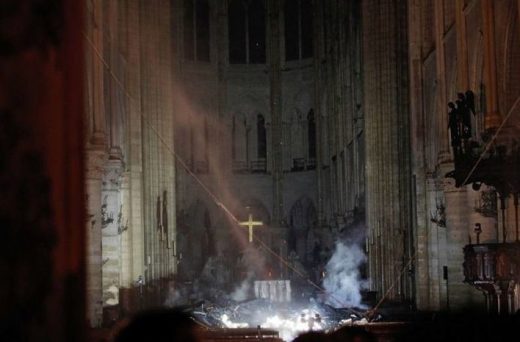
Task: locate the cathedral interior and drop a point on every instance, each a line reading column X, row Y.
column 269, row 167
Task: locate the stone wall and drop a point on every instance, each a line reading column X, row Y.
column 455, row 46
column 129, row 144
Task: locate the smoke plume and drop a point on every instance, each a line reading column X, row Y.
column 242, row 291
column 342, row 281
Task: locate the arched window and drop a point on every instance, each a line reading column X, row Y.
column 311, row 134
column 256, row 32
column 246, row 26
column 298, row 29
column 196, row 30
column 237, row 32
column 261, row 137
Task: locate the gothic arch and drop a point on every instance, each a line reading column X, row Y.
column 247, row 32
column 195, row 239
column 254, row 206
column 302, row 220
column 239, row 137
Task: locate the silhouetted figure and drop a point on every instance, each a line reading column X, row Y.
column 312, row 336
column 352, row 334
column 161, row 325
column 453, row 124
column 464, row 113
column 470, row 101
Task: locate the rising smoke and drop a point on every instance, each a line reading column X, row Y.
column 254, row 263
column 243, row 290
column 343, row 283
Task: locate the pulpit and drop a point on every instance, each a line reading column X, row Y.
column 494, row 268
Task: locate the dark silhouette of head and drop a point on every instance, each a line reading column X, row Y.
column 158, row 326
column 352, row 334
column 312, row 336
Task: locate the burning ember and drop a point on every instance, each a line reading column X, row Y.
column 289, row 319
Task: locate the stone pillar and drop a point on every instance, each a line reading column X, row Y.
column 276, row 108
column 421, row 185
column 387, row 140
column 492, row 119
column 126, row 254
column 462, row 48
column 441, row 96
column 95, row 160
column 157, row 134
column 95, row 73
column 111, row 217
column 135, row 144
column 318, row 49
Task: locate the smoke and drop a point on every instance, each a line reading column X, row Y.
column 254, row 263
column 242, row 291
column 342, row 280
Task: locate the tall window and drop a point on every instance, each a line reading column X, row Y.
column 261, row 137
column 196, row 30
column 246, row 32
column 298, row 29
column 311, row 135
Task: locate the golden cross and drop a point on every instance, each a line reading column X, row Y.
column 251, row 224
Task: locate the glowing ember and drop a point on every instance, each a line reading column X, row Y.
column 292, row 327
column 229, row 324
column 289, row 327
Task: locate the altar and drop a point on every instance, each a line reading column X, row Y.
column 273, row 290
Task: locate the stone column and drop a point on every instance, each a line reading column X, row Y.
column 387, row 139
column 95, row 72
column 492, row 118
column 111, row 206
column 441, row 96
column 422, row 186
column 462, row 48
column 95, row 160
column 135, row 144
column 126, row 254
column 276, row 108
column 317, row 47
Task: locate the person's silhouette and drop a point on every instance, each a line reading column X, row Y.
column 160, row 325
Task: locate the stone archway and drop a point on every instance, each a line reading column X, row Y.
column 302, row 219
column 195, row 239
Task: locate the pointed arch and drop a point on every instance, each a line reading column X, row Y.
column 261, row 138
column 240, row 142
column 311, row 136
column 237, row 32
column 302, row 220
column 256, row 31
column 196, row 30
